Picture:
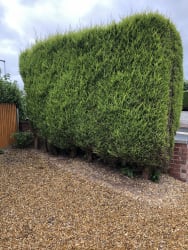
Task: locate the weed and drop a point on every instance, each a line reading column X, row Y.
column 127, row 171
column 155, row 175
column 1, row 151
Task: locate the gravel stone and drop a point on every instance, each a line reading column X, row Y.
column 49, row 202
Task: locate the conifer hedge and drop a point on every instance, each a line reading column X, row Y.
column 113, row 90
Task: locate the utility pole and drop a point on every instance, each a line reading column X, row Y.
column 4, row 66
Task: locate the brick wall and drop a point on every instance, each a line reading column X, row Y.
column 179, row 162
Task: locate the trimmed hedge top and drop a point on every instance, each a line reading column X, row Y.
column 114, row 90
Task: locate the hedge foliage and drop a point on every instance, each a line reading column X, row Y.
column 113, row 90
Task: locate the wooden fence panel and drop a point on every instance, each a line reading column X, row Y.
column 8, row 124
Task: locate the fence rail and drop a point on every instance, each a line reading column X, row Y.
column 8, row 124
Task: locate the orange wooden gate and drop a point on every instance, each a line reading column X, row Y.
column 8, row 124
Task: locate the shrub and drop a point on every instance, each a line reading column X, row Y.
column 114, row 90
column 10, row 93
column 23, row 139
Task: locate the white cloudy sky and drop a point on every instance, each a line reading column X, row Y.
column 22, row 21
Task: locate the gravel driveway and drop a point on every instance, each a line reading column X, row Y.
column 59, row 203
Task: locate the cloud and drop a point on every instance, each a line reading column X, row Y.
column 7, row 47
column 73, row 10
column 2, row 11
column 22, row 21
column 28, row 2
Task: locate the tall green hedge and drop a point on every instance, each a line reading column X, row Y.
column 114, row 90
